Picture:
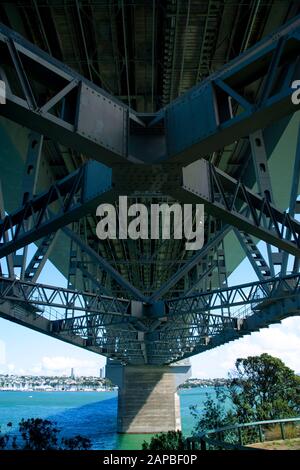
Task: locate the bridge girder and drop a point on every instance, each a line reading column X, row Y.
column 136, row 153
column 83, row 190
column 84, row 123
column 135, row 332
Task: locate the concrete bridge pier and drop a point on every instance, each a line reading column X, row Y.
column 147, row 399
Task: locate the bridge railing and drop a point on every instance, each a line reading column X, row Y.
column 241, row 436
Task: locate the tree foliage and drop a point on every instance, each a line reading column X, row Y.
column 260, row 388
column 215, row 415
column 165, row 441
column 41, row 434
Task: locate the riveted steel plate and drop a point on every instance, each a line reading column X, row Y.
column 98, row 180
column 190, row 119
column 102, row 120
column 196, row 178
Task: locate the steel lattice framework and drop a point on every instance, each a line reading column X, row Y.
column 148, row 156
column 166, row 331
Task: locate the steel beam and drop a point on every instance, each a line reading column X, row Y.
column 200, row 254
column 83, row 122
column 69, row 109
column 254, row 255
column 156, row 334
column 60, row 298
column 29, row 185
column 260, row 161
column 251, row 293
column 74, row 112
column 41, row 255
column 9, row 258
column 105, row 265
column 190, row 134
column 83, row 190
column 293, row 204
column 228, row 199
column 68, row 199
column 270, row 314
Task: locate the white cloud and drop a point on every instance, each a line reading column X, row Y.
column 62, row 365
column 281, row 341
column 37, row 369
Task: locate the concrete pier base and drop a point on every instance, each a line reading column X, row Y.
column 147, row 399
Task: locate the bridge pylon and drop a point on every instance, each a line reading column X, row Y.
column 147, row 400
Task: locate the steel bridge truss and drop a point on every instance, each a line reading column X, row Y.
column 166, row 153
column 166, row 330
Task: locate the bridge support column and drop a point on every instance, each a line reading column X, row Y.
column 147, row 399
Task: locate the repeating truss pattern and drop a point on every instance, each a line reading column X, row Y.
column 78, row 114
column 182, row 327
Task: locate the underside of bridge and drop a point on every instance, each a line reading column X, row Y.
column 161, row 101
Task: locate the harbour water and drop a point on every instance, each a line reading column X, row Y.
column 90, row 414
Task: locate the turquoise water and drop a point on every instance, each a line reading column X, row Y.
column 91, row 414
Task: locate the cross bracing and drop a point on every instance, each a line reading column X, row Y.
column 99, row 143
column 171, row 330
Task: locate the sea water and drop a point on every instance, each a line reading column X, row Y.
column 90, row 414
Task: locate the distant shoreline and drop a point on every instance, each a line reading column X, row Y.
column 97, row 391
column 53, row 391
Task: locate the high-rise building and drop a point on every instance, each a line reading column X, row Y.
column 72, row 376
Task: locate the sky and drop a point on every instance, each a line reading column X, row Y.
column 24, row 351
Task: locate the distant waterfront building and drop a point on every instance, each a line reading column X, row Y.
column 101, row 373
column 52, row 383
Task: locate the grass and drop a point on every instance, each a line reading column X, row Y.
column 287, row 444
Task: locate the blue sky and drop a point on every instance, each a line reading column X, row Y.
column 24, row 351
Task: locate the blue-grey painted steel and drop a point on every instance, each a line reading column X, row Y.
column 40, row 257
column 198, row 123
column 215, row 240
column 260, row 162
column 93, row 122
column 75, row 196
column 156, row 334
column 235, row 296
column 81, row 192
column 87, row 119
column 227, row 199
column 31, row 174
column 105, row 265
column 186, row 122
column 9, row 257
column 268, row 315
column 292, row 204
column 102, row 121
column 201, row 121
column 254, row 255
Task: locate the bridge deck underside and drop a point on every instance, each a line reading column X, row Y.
column 149, row 300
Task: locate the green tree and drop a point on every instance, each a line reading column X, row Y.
column 170, row 440
column 38, row 434
column 41, row 434
column 260, row 388
column 76, row 443
column 215, row 415
column 263, row 387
